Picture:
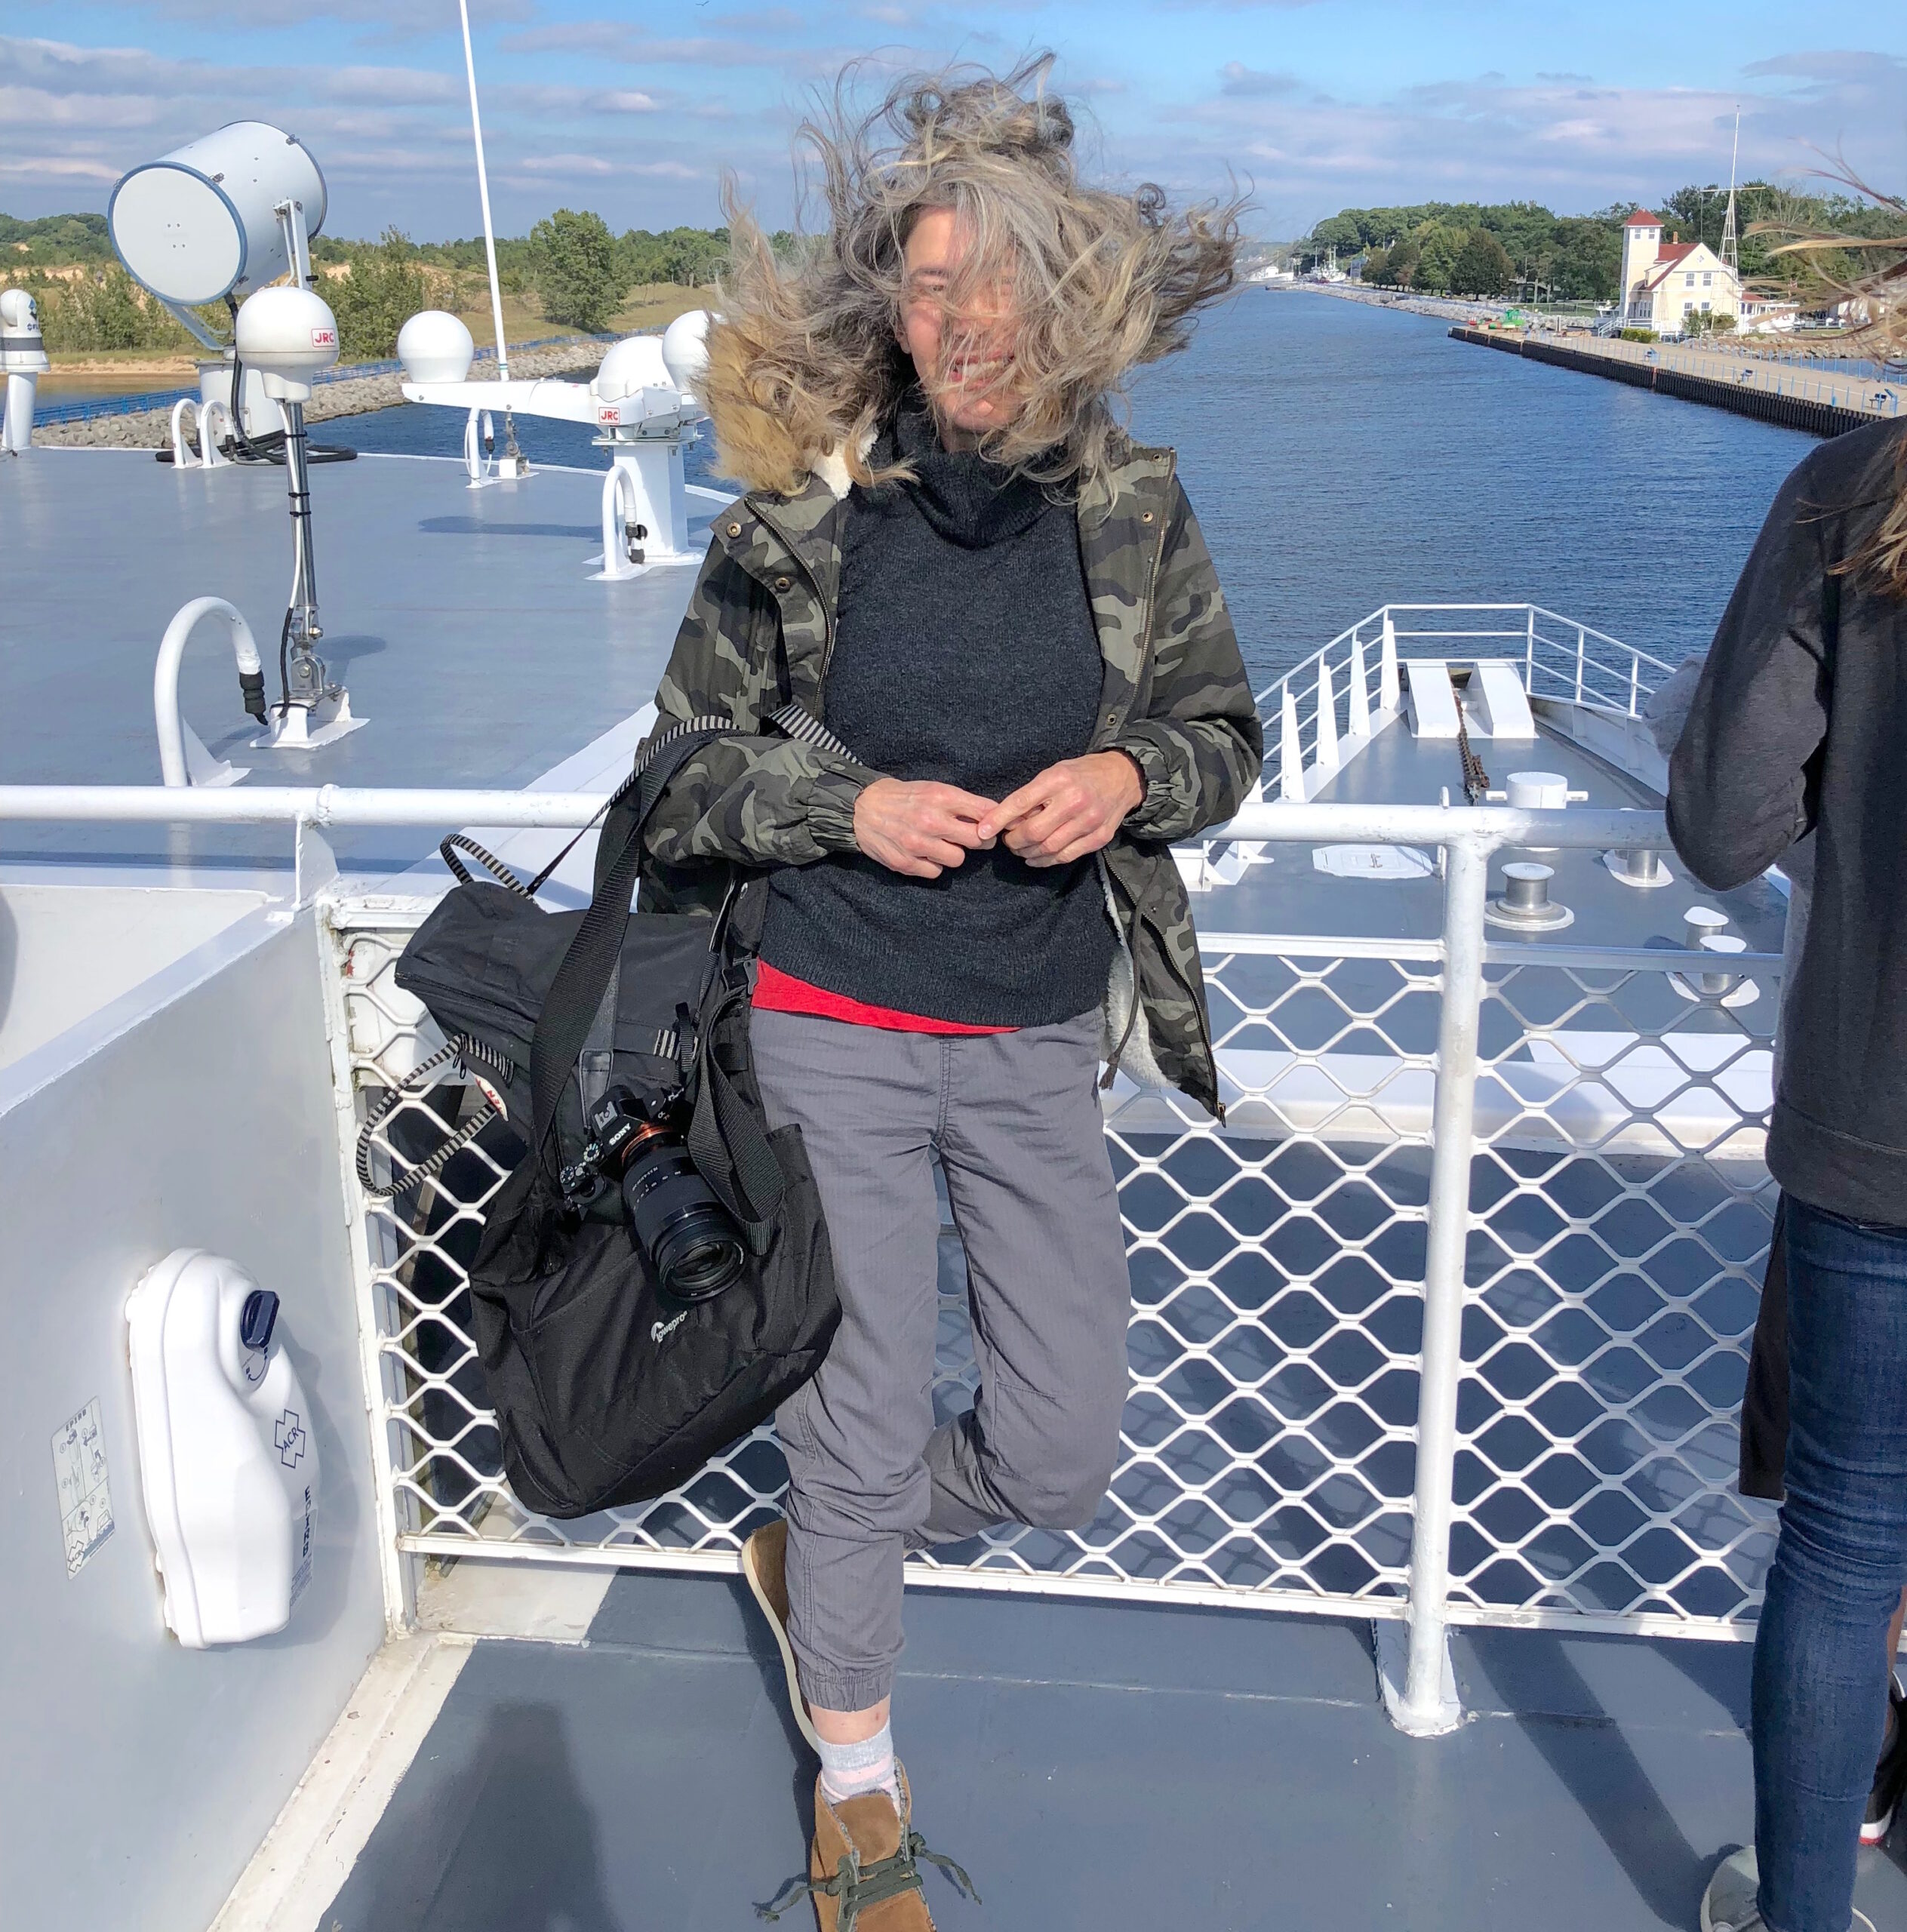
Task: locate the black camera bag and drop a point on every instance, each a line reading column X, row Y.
column 606, row 1390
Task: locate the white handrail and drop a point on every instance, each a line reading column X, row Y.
column 1485, row 826
column 618, row 484
column 173, row 761
column 205, row 417
column 479, row 447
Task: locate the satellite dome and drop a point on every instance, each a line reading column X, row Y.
column 287, row 335
column 685, row 349
column 435, row 347
column 634, row 363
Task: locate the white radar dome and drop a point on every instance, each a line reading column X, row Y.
column 634, row 363
column 434, row 347
column 685, row 349
column 18, row 310
column 198, row 224
column 287, row 335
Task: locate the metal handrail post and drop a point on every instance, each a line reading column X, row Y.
column 1579, row 645
column 1425, row 1710
column 1529, row 648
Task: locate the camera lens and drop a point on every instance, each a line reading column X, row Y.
column 678, row 1223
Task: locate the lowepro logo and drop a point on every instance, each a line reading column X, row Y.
column 662, row 1330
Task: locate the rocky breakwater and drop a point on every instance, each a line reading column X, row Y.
column 347, row 395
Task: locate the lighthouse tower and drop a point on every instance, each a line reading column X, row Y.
column 1641, row 244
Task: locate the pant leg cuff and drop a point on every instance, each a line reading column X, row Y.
column 837, row 1690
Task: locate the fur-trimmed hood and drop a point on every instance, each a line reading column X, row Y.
column 765, row 437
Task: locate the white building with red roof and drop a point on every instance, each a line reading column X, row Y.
column 1664, row 283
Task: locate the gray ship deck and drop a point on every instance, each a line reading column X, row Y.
column 463, row 621
column 1093, row 1767
column 1291, row 896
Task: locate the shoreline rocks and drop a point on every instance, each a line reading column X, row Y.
column 350, row 396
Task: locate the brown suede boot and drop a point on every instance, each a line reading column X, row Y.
column 864, row 1870
column 764, row 1563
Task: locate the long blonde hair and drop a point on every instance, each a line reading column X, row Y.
column 805, row 360
column 1877, row 293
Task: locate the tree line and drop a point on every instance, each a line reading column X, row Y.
column 571, row 266
column 1523, row 249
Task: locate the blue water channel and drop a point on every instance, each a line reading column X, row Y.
column 1341, row 457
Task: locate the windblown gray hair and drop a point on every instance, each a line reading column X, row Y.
column 1874, row 284
column 1096, row 282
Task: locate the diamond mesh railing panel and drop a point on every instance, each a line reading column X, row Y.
column 1618, row 1222
column 1620, row 1216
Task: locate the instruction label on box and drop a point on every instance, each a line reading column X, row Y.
column 85, row 1497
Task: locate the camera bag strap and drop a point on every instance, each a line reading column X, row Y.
column 727, row 1141
column 575, row 995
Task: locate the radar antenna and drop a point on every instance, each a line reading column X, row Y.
column 1731, row 257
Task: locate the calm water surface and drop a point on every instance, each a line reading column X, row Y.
column 1341, row 457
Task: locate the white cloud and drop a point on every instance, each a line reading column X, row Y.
column 1558, row 138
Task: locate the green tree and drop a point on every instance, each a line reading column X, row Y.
column 55, row 239
column 574, row 259
column 1483, row 266
column 1439, row 245
column 386, row 288
column 1586, row 262
column 103, row 308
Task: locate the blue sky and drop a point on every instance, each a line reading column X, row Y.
column 635, row 110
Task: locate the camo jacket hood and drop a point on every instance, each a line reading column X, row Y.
column 1173, row 695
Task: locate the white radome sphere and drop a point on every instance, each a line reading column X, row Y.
column 634, row 363
column 685, row 349
column 287, row 335
column 18, row 310
column 434, row 347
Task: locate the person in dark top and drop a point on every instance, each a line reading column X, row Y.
column 1797, row 730
column 1005, row 612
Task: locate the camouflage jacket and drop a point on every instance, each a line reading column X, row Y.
column 757, row 634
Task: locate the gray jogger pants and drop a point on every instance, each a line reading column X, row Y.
column 1015, row 1119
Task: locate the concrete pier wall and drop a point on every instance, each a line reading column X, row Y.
column 1819, row 417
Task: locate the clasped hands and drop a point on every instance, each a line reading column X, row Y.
column 922, row 828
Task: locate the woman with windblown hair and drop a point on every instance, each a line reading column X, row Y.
column 1793, row 751
column 1005, row 611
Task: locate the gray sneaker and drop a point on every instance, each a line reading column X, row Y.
column 1729, row 1904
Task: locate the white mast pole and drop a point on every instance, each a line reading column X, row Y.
column 483, row 194
column 512, row 464
column 1730, row 246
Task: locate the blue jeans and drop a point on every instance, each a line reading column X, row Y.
column 1820, row 1655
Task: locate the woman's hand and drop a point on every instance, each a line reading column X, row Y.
column 1071, row 809
column 919, row 829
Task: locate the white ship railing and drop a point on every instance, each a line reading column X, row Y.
column 1561, row 659
column 1446, row 1324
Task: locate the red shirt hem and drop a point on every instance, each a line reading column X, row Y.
column 777, row 992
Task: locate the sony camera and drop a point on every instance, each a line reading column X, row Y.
column 687, row 1237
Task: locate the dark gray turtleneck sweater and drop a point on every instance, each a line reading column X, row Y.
column 964, row 652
